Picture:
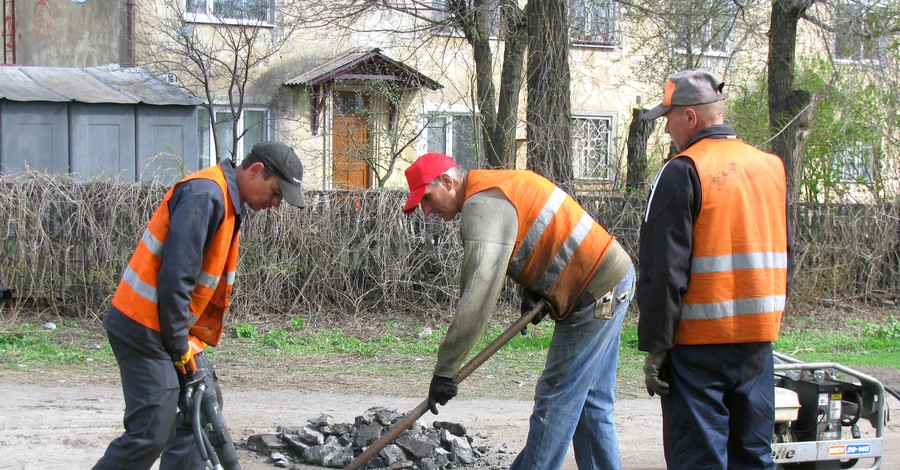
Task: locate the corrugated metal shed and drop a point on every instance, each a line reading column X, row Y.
column 105, row 122
column 108, row 84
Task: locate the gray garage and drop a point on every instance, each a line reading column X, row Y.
column 102, row 122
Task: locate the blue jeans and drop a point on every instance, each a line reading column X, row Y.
column 720, row 410
column 575, row 396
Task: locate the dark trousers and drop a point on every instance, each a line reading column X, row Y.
column 153, row 425
column 720, row 410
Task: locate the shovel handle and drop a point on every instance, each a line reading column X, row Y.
column 362, row 459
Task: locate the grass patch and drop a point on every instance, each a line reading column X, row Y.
column 29, row 344
column 32, row 345
column 873, row 344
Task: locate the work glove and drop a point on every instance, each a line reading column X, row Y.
column 195, row 346
column 530, row 299
column 442, row 389
column 653, row 365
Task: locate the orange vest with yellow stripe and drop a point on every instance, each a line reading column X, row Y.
column 558, row 246
column 738, row 279
column 137, row 295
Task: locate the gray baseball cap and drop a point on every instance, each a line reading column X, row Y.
column 286, row 164
column 686, row 88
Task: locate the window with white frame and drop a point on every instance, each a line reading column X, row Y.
column 229, row 11
column 706, row 30
column 592, row 148
column 856, row 163
column 456, row 135
column 854, row 39
column 253, row 124
column 594, row 22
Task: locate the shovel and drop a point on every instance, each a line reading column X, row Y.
column 417, row 412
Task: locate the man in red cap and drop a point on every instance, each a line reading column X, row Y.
column 715, row 263
column 519, row 224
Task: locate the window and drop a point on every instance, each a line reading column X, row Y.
column 230, row 11
column 592, row 148
column 854, row 39
column 440, row 13
column 856, row 164
column 705, row 31
column 594, row 22
column 457, row 135
column 255, row 130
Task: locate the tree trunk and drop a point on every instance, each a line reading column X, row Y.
column 503, row 136
column 498, row 122
column 789, row 109
column 549, row 114
column 638, row 134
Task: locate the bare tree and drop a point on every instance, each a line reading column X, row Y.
column 476, row 19
column 681, row 35
column 218, row 61
column 479, row 22
column 549, row 115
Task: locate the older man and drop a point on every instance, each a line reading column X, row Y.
column 715, row 265
column 519, row 224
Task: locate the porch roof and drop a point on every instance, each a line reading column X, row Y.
column 106, row 84
column 363, row 64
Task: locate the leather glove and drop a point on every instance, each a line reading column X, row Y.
column 653, row 365
column 442, row 389
column 530, row 299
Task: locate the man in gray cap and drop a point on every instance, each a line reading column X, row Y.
column 175, row 292
column 715, row 269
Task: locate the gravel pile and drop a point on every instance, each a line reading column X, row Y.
column 325, row 443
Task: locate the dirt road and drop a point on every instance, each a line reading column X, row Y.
column 66, row 425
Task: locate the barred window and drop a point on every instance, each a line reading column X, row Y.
column 594, row 22
column 706, row 30
column 440, row 13
column 228, row 10
column 854, row 37
column 592, row 148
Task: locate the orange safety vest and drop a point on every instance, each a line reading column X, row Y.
column 558, row 245
column 738, row 279
column 136, row 295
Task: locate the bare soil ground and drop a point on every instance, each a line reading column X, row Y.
column 63, row 419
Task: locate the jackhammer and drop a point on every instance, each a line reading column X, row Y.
column 203, row 398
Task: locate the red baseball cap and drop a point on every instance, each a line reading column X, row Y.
column 423, row 171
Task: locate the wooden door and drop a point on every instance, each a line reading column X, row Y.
column 350, row 143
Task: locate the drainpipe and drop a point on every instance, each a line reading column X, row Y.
column 129, row 33
column 9, row 31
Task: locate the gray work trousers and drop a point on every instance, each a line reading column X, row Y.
column 153, row 423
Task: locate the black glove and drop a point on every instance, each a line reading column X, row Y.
column 530, row 299
column 441, row 391
column 653, row 366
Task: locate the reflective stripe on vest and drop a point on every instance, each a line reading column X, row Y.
column 739, row 257
column 137, row 296
column 558, row 245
